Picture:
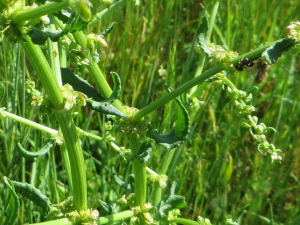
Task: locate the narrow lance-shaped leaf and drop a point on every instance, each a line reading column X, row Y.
column 13, row 205
column 33, row 194
column 202, row 34
column 96, row 101
column 179, row 132
column 30, row 155
column 272, row 53
column 108, row 30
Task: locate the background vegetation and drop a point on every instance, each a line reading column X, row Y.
column 218, row 169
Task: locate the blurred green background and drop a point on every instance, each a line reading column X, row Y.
column 218, row 169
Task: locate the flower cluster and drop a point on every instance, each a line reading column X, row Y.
column 142, row 215
column 219, row 54
column 161, row 179
column 172, row 214
column 38, row 99
column 93, row 39
column 294, row 30
column 23, row 27
column 203, row 221
column 72, row 97
column 242, row 102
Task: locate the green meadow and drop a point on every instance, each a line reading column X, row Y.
column 211, row 167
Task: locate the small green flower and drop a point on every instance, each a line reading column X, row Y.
column 203, row 221
column 173, row 214
column 294, row 30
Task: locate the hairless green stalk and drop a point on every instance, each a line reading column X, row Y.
column 30, row 14
column 68, row 128
column 96, row 73
column 196, row 81
column 139, row 170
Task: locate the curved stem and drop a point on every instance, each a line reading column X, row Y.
column 96, row 73
column 198, row 80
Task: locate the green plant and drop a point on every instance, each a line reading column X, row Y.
column 130, row 127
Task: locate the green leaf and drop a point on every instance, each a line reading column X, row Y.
column 172, row 202
column 39, row 34
column 75, row 23
column 145, row 151
column 108, row 30
column 30, row 155
column 185, row 100
column 272, row 53
column 116, row 90
column 202, row 34
column 179, row 132
column 33, row 194
column 173, row 188
column 13, row 205
column 96, row 101
column 107, row 208
column 120, row 182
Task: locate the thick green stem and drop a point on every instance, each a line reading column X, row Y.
column 31, row 14
column 196, row 81
column 78, row 171
column 176, row 92
column 65, row 120
column 45, row 73
column 97, row 75
column 139, row 171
